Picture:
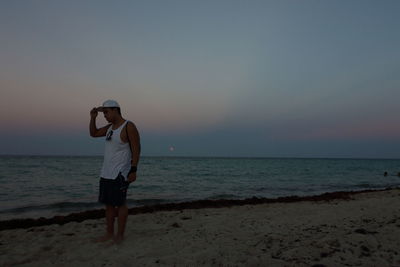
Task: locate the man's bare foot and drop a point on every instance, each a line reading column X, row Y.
column 118, row 239
column 104, row 238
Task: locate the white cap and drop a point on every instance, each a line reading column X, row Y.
column 108, row 104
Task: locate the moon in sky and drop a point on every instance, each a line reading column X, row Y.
column 172, row 148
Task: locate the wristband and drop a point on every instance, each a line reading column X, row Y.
column 133, row 169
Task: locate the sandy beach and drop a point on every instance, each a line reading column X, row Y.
column 361, row 230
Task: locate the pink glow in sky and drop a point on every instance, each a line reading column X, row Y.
column 207, row 77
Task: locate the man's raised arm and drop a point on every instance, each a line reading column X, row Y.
column 94, row 132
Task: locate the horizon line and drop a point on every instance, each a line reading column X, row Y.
column 203, row 156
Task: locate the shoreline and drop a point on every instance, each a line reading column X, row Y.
column 196, row 204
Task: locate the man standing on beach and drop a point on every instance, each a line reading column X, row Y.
column 121, row 157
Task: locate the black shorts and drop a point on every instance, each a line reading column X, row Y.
column 113, row 192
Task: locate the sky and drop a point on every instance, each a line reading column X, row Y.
column 216, row 78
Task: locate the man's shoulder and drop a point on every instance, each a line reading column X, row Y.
column 130, row 124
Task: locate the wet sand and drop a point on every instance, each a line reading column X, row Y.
column 335, row 229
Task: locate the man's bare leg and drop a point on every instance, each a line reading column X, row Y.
column 110, row 218
column 122, row 218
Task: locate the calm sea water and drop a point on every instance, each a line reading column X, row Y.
column 48, row 186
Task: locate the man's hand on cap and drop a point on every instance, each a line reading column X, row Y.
column 93, row 112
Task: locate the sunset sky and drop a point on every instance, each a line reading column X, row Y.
column 209, row 78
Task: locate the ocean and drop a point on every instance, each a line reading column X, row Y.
column 38, row 186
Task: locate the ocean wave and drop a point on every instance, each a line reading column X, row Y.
column 67, row 206
column 223, row 196
column 361, row 186
column 63, row 207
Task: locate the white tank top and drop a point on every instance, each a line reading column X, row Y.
column 117, row 155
